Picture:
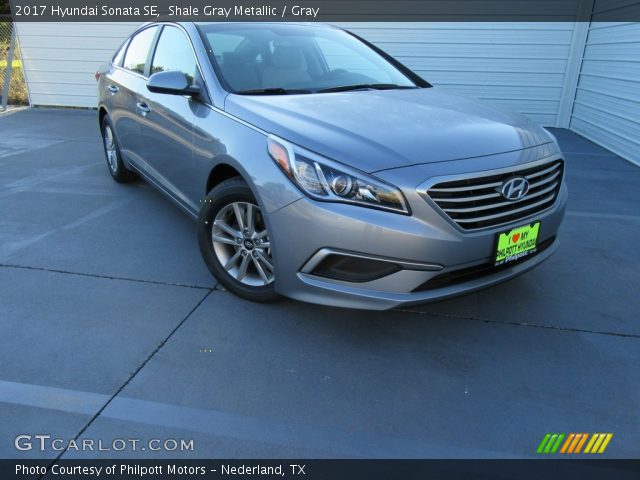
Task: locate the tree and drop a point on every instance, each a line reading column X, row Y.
column 4, row 7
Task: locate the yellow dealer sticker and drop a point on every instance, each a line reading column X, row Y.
column 517, row 243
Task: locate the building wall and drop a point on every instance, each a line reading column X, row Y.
column 520, row 66
column 607, row 102
column 565, row 74
column 60, row 59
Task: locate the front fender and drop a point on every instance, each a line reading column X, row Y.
column 222, row 139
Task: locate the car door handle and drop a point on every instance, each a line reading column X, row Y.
column 143, row 108
column 113, row 89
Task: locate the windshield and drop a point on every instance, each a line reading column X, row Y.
column 284, row 58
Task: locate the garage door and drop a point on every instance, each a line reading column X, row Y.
column 520, row 66
column 60, row 59
column 607, row 104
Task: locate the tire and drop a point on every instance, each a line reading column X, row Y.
column 237, row 254
column 111, row 147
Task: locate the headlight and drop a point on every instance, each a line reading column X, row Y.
column 323, row 179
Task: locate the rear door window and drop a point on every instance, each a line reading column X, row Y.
column 117, row 58
column 138, row 50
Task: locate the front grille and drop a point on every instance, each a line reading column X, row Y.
column 477, row 202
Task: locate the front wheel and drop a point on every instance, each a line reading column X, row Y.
column 235, row 242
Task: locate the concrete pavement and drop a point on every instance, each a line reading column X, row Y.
column 111, row 328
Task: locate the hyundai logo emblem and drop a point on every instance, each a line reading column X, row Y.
column 515, row 188
column 248, row 244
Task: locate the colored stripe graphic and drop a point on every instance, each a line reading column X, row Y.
column 605, row 443
column 543, row 443
column 581, row 443
column 574, row 442
column 576, row 439
column 556, row 445
column 598, row 443
column 594, row 437
column 550, row 443
column 568, row 442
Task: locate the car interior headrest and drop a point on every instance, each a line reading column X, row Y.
column 232, row 58
column 286, row 56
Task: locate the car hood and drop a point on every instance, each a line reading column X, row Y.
column 375, row 130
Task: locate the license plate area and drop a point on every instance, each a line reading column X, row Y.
column 516, row 244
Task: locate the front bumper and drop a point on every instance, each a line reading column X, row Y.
column 425, row 244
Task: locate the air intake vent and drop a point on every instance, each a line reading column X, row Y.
column 477, row 202
column 354, row 269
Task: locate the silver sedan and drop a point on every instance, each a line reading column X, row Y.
column 320, row 168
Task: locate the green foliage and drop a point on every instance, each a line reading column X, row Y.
column 17, row 88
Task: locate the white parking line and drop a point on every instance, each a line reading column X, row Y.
column 328, row 440
column 10, row 248
column 604, row 216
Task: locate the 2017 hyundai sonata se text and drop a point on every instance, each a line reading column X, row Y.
column 320, row 168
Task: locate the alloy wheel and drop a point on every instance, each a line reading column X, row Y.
column 110, row 148
column 241, row 244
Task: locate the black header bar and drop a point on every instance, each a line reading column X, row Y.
column 324, row 10
column 321, row 469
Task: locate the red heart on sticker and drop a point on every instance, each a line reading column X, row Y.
column 515, row 237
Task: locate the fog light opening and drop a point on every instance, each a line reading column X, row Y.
column 354, row 269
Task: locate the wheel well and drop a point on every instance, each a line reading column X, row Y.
column 101, row 115
column 219, row 174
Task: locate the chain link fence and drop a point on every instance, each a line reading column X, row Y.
column 17, row 92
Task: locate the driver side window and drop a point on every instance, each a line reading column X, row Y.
column 174, row 52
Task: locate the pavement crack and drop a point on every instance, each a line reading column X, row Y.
column 131, row 377
column 519, row 324
column 107, row 277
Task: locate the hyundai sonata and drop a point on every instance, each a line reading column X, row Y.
column 320, row 168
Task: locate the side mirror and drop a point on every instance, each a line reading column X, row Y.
column 171, row 82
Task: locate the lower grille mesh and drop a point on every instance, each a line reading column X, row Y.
column 472, row 273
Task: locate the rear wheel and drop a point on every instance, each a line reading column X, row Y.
column 235, row 242
column 112, row 151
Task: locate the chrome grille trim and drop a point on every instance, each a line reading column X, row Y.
column 501, row 204
column 542, row 172
column 464, row 189
column 542, row 182
column 468, row 199
column 474, row 201
column 499, row 215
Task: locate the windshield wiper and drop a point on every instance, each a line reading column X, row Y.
column 342, row 88
column 271, row 91
column 364, row 86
